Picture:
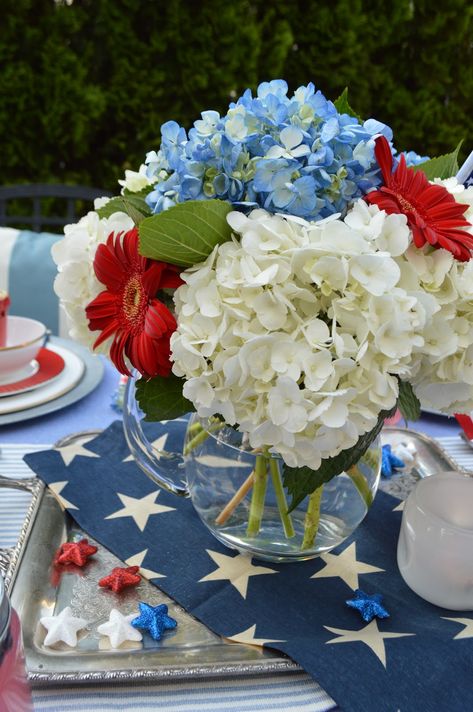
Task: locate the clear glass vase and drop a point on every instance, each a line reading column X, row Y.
column 238, row 493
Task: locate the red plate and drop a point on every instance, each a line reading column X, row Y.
column 51, row 365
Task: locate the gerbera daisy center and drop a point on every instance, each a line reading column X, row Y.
column 133, row 295
column 405, row 205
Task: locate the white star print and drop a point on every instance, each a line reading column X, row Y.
column 157, row 445
column 137, row 559
column 345, row 566
column 370, row 635
column 118, row 628
column 69, row 452
column 248, row 637
column 56, row 488
column 399, row 507
column 139, row 509
column 467, row 631
column 236, row 569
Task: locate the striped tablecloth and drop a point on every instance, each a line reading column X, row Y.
column 288, row 692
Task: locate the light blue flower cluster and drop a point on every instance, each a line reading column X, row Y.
column 295, row 155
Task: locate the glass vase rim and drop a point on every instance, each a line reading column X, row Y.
column 213, row 435
column 274, row 455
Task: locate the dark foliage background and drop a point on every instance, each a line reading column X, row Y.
column 85, row 87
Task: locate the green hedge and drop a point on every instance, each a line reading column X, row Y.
column 85, row 87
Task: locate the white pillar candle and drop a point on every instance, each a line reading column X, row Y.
column 435, row 549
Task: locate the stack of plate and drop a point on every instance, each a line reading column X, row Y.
column 40, row 374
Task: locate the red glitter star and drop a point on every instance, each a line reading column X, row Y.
column 76, row 552
column 120, row 578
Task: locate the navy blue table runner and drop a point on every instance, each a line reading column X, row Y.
column 419, row 659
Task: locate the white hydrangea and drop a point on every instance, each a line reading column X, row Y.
column 296, row 331
column 443, row 377
column 76, row 284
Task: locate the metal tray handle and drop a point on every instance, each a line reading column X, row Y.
column 27, row 484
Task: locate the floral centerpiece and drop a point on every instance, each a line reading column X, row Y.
column 319, row 280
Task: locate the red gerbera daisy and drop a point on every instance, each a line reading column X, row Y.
column 433, row 214
column 128, row 309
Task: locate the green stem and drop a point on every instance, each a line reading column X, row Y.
column 359, row 480
column 281, row 498
column 312, row 518
column 201, row 437
column 257, row 498
column 195, row 428
column 372, row 458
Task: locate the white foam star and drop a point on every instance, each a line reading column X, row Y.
column 370, row 635
column 140, row 509
column 157, row 445
column 345, row 566
column 118, row 628
column 236, row 569
column 62, row 628
column 137, row 559
column 467, row 631
column 248, row 637
column 56, row 488
column 69, row 452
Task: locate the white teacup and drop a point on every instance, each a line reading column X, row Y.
column 25, row 337
column 435, row 549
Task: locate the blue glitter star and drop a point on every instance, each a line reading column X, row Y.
column 389, row 462
column 154, row 619
column 370, row 606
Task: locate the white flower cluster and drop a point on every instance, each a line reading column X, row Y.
column 76, row 283
column 444, row 375
column 135, row 181
column 296, row 331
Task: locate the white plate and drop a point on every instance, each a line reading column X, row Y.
column 31, row 369
column 69, row 377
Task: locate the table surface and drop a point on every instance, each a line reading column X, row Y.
column 294, row 692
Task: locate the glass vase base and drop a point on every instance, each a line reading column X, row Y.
column 270, row 544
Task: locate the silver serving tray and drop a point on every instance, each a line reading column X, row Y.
column 192, row 650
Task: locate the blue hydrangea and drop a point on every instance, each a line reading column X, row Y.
column 290, row 154
column 413, row 158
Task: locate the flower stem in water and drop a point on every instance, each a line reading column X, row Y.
column 359, row 480
column 240, row 494
column 257, row 499
column 201, row 437
column 281, row 498
column 312, row 518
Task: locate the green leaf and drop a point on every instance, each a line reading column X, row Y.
column 343, row 107
column 139, row 193
column 160, row 398
column 441, row 167
column 408, row 403
column 186, row 233
column 132, row 205
column 301, row 481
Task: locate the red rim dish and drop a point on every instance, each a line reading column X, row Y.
column 51, row 365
